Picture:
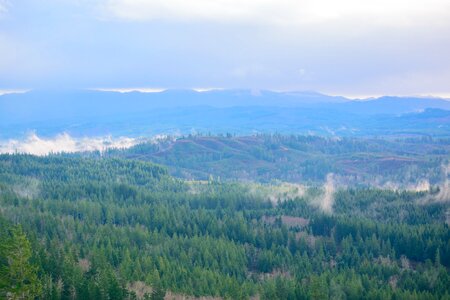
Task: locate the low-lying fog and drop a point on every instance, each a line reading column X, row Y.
column 33, row 144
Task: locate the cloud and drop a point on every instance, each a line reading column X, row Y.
column 393, row 12
column 129, row 90
column 33, row 144
column 333, row 46
column 18, row 91
column 4, row 5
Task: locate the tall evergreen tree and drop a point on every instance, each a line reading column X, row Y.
column 18, row 277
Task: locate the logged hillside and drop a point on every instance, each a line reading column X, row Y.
column 109, row 228
column 306, row 159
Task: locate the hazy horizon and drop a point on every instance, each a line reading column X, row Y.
column 444, row 96
column 350, row 48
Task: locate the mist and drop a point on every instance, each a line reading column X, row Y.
column 326, row 201
column 275, row 193
column 64, row 143
column 444, row 189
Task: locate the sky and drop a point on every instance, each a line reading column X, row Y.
column 341, row 47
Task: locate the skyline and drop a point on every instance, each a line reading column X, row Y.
column 443, row 96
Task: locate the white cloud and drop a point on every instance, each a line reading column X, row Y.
column 12, row 91
column 206, row 89
column 391, row 12
column 33, row 144
column 352, row 47
column 129, row 90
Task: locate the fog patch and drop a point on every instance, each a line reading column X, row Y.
column 278, row 193
column 443, row 195
column 33, row 144
column 197, row 187
column 29, row 189
column 444, row 189
column 326, row 201
column 421, row 186
column 284, row 191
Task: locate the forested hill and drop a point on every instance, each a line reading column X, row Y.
column 111, row 228
column 296, row 158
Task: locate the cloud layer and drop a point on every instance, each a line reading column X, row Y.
column 3, row 7
column 281, row 12
column 346, row 47
column 36, row 145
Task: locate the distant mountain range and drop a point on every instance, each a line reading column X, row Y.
column 89, row 112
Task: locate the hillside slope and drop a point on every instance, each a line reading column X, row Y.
column 298, row 158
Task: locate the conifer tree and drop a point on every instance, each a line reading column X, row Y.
column 18, row 277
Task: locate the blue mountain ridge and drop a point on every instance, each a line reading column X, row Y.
column 89, row 112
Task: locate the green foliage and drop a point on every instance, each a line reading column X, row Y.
column 18, row 277
column 297, row 158
column 96, row 226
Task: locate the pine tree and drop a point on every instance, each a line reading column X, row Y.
column 437, row 258
column 18, row 277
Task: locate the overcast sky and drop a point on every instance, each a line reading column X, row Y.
column 346, row 47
